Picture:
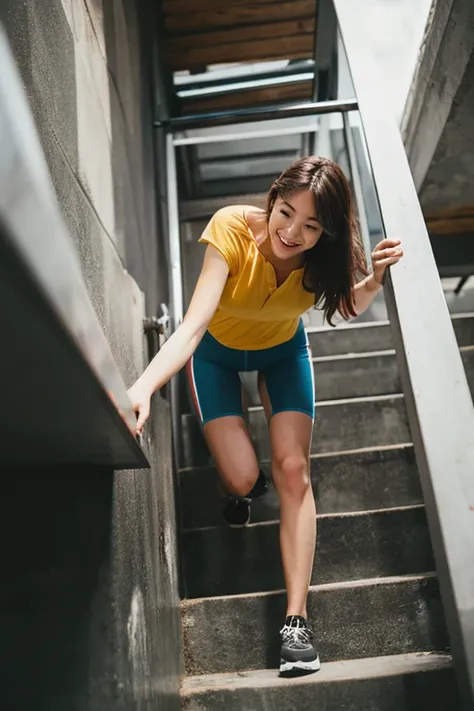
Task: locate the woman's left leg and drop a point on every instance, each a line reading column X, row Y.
column 290, row 438
column 290, row 434
column 287, row 393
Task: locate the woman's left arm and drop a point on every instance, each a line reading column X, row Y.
column 387, row 252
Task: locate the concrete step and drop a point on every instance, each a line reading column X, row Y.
column 406, row 682
column 366, row 374
column 368, row 618
column 376, row 336
column 356, row 423
column 228, row 561
column 356, row 480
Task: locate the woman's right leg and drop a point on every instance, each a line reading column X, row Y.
column 217, row 394
column 230, row 445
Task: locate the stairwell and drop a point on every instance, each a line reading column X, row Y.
column 374, row 601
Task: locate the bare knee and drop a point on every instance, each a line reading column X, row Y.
column 241, row 486
column 291, row 475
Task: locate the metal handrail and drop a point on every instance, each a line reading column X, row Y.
column 439, row 404
column 262, row 113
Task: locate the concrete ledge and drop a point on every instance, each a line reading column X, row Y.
column 340, row 425
column 351, row 620
column 229, row 561
column 374, row 336
column 357, row 480
column 410, row 682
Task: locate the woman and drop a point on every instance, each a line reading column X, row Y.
column 262, row 270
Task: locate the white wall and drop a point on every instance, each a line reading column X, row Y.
column 394, row 29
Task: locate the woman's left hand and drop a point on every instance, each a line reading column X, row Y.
column 387, row 252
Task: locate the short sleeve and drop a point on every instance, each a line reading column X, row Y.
column 224, row 232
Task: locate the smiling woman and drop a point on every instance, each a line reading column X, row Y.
column 262, row 270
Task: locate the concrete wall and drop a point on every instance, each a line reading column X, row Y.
column 450, row 178
column 89, row 592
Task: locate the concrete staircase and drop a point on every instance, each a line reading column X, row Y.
column 374, row 601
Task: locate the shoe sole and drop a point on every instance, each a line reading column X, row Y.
column 240, row 525
column 299, row 668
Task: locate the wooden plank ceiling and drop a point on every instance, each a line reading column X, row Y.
column 199, row 33
column 451, row 220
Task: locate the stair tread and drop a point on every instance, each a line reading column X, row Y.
column 339, row 514
column 367, row 355
column 344, row 401
column 369, row 325
column 345, row 584
column 403, row 446
column 353, row 669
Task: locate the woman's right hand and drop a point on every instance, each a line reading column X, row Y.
column 140, row 399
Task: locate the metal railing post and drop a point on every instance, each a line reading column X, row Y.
column 439, row 404
column 357, row 187
column 176, row 279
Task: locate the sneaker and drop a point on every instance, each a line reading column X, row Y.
column 237, row 509
column 298, row 655
column 236, row 512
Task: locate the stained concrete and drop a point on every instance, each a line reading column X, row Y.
column 437, row 122
column 89, row 599
column 412, row 682
column 351, row 621
column 343, row 482
column 340, row 425
column 377, row 336
column 350, row 547
column 449, row 181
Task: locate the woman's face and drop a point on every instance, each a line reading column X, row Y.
column 293, row 226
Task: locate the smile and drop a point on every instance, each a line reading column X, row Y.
column 287, row 243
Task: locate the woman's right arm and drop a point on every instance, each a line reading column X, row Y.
column 177, row 350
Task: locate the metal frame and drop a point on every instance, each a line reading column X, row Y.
column 357, row 187
column 264, row 113
column 225, row 138
column 251, row 83
column 176, row 281
column 439, row 403
column 289, row 72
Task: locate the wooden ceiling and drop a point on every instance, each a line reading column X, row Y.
column 199, row 33
column 450, row 220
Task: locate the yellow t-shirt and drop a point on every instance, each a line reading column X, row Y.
column 253, row 312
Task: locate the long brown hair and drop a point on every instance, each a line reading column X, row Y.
column 337, row 261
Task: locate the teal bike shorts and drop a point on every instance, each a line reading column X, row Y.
column 215, row 385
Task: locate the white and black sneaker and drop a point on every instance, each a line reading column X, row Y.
column 298, row 655
column 236, row 512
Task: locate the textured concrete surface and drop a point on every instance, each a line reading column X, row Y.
column 82, row 69
column 413, row 682
column 340, row 425
column 89, row 600
column 449, row 181
column 350, row 481
column 351, row 621
column 436, row 124
column 364, row 338
column 228, row 561
column 368, row 374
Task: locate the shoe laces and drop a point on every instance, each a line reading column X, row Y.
column 297, row 634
